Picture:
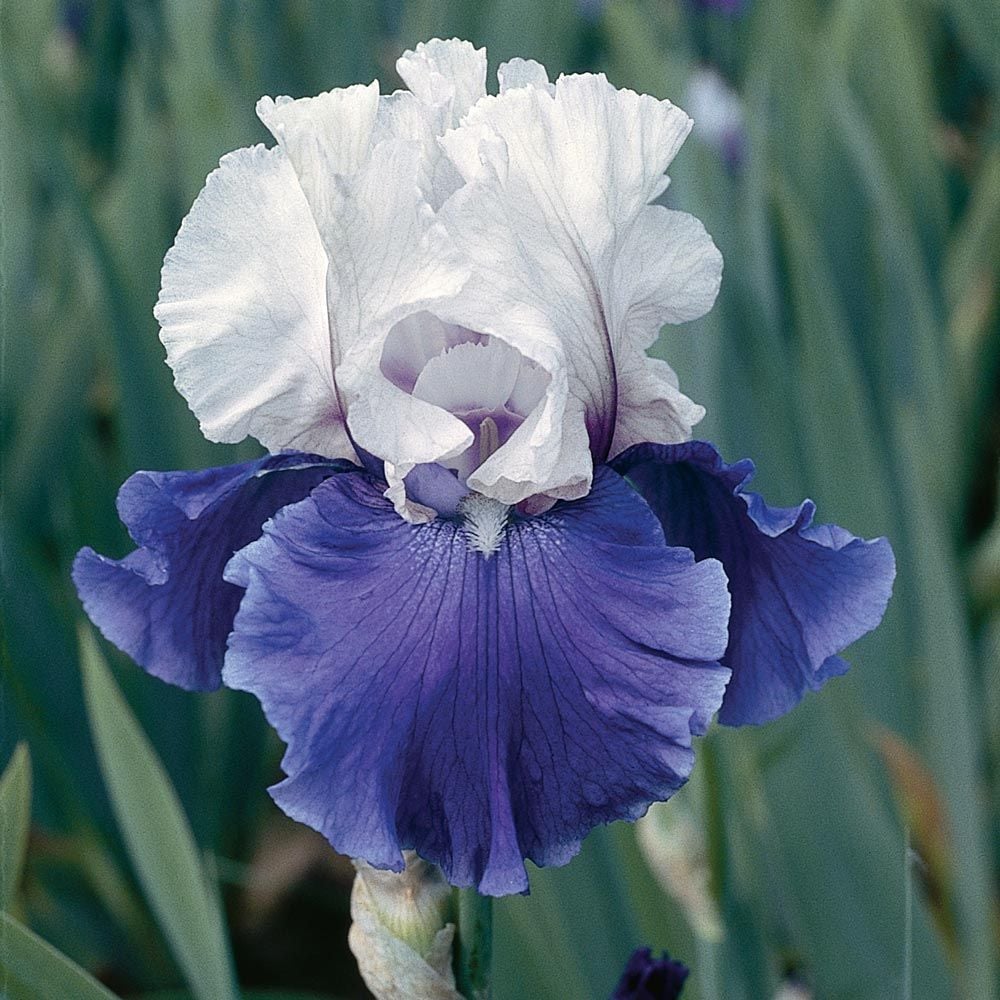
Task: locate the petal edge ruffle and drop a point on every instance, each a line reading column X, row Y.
column 801, row 592
column 479, row 711
column 166, row 604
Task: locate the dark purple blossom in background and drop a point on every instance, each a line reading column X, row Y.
column 648, row 978
column 731, row 7
column 74, row 16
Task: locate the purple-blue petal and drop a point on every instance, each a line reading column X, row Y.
column 801, row 592
column 166, row 604
column 478, row 710
column 436, row 487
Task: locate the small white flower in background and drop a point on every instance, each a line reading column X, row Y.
column 718, row 110
column 793, row 990
column 400, row 933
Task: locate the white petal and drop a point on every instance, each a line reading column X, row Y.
column 523, row 73
column 412, row 342
column 388, row 258
column 650, row 406
column 243, row 310
column 528, row 389
column 547, row 455
column 323, row 136
column 555, row 202
column 451, row 73
column 470, row 377
column 403, row 115
column 667, row 270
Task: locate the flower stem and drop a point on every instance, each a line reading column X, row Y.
column 474, row 953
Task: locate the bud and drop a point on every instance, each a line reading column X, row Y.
column 792, row 989
column 673, row 846
column 648, row 978
column 400, row 933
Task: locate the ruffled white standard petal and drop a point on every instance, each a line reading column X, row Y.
column 469, row 376
column 243, row 310
column 445, row 79
column 402, row 115
column 667, row 271
column 388, row 259
column 523, row 73
column 450, row 73
column 308, row 277
column 555, row 217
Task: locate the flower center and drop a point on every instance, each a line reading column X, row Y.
column 484, row 521
column 489, row 385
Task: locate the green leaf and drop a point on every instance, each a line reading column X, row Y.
column 247, row 995
column 573, row 934
column 15, row 816
column 41, row 970
column 944, row 673
column 474, row 946
column 979, row 26
column 157, row 835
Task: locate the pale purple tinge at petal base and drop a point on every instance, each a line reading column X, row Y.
column 480, row 711
column 166, row 604
column 801, row 592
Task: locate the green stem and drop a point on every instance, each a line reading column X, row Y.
column 474, row 950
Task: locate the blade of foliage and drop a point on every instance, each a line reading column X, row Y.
column 245, row 995
column 573, row 934
column 42, row 970
column 979, row 24
column 944, row 672
column 157, row 835
column 15, row 818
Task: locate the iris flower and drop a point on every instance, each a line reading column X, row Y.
column 484, row 585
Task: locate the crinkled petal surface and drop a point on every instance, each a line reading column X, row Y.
column 166, row 604
column 387, row 258
column 242, row 310
column 575, row 268
column 448, row 72
column 478, row 710
column 801, row 592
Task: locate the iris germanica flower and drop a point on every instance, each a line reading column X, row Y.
column 484, row 585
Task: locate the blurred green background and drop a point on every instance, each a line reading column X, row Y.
column 851, row 178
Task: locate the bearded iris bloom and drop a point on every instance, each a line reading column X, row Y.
column 484, row 585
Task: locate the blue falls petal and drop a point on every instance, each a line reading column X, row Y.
column 478, row 710
column 166, row 604
column 801, row 592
